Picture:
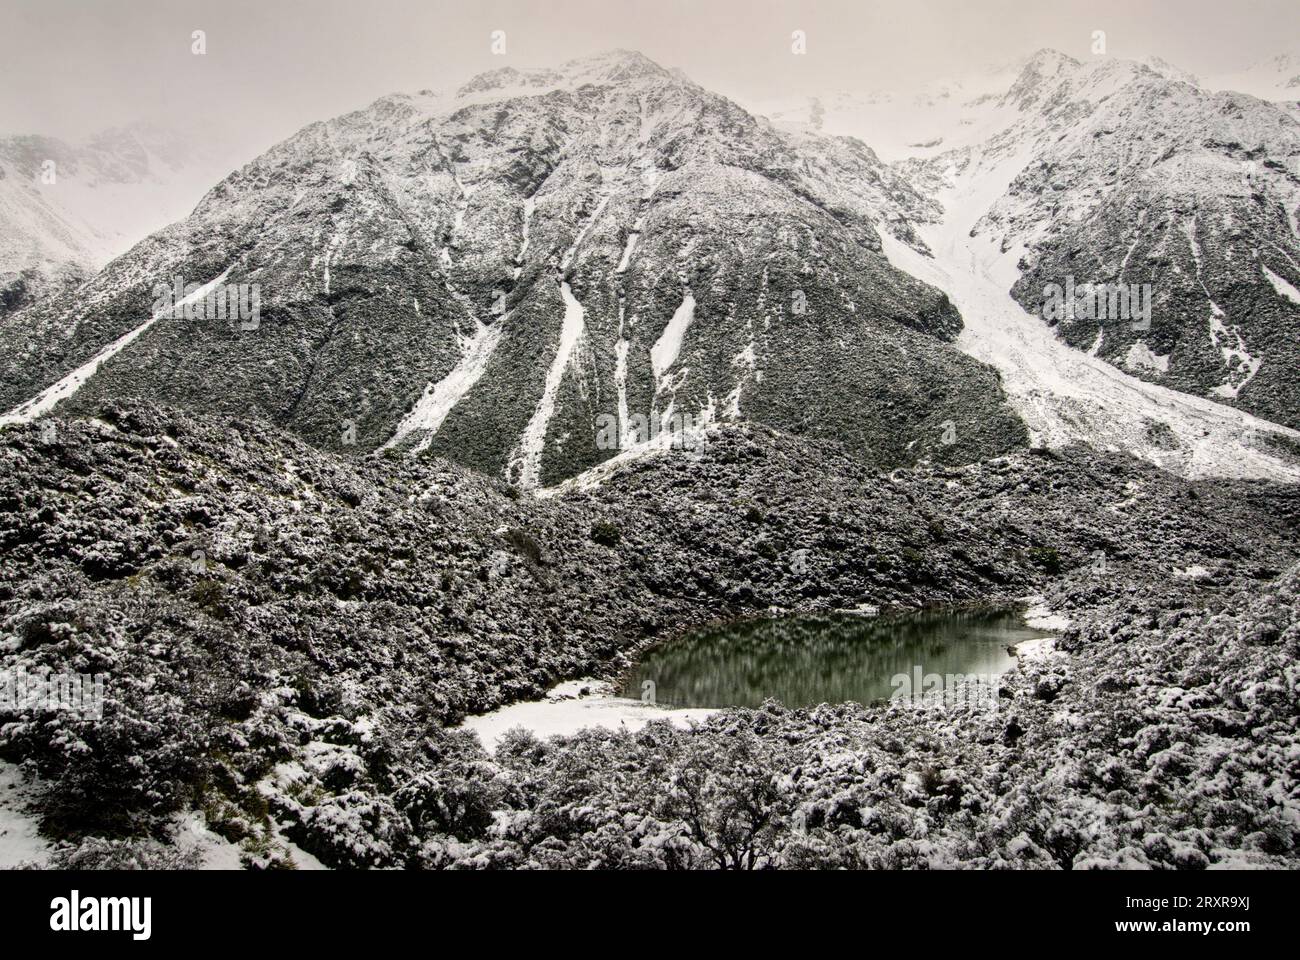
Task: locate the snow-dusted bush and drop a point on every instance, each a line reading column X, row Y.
column 99, row 853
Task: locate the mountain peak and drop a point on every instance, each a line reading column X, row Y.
column 1044, row 67
column 612, row 66
column 1049, row 62
column 1169, row 71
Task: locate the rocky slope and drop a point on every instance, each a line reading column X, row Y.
column 1113, row 173
column 496, row 273
column 289, row 634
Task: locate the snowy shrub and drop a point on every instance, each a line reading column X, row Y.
column 353, row 830
column 349, row 613
column 457, row 801
column 726, row 793
column 99, row 853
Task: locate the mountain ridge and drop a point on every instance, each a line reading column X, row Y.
column 456, row 236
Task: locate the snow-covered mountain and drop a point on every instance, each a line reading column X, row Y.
column 1098, row 173
column 549, row 270
column 1114, row 175
column 534, row 273
column 966, row 109
column 66, row 209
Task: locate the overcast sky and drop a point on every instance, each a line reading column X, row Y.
column 68, row 67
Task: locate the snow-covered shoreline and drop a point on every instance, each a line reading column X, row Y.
column 20, row 839
column 572, row 706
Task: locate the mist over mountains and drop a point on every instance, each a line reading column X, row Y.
column 69, row 208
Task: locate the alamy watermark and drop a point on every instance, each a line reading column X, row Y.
column 945, row 691
column 1128, row 302
column 224, row 301
column 75, row 913
column 79, row 693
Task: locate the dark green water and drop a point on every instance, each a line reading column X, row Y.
column 804, row 661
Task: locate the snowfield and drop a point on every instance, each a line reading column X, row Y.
column 572, row 706
column 20, row 838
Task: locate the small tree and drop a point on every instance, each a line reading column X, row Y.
column 725, row 792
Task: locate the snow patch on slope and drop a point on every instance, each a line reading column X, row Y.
column 45, row 401
column 1283, row 288
column 429, row 412
column 20, row 838
column 529, row 206
column 529, row 460
column 573, row 706
column 666, row 349
column 526, row 465
column 1141, row 357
